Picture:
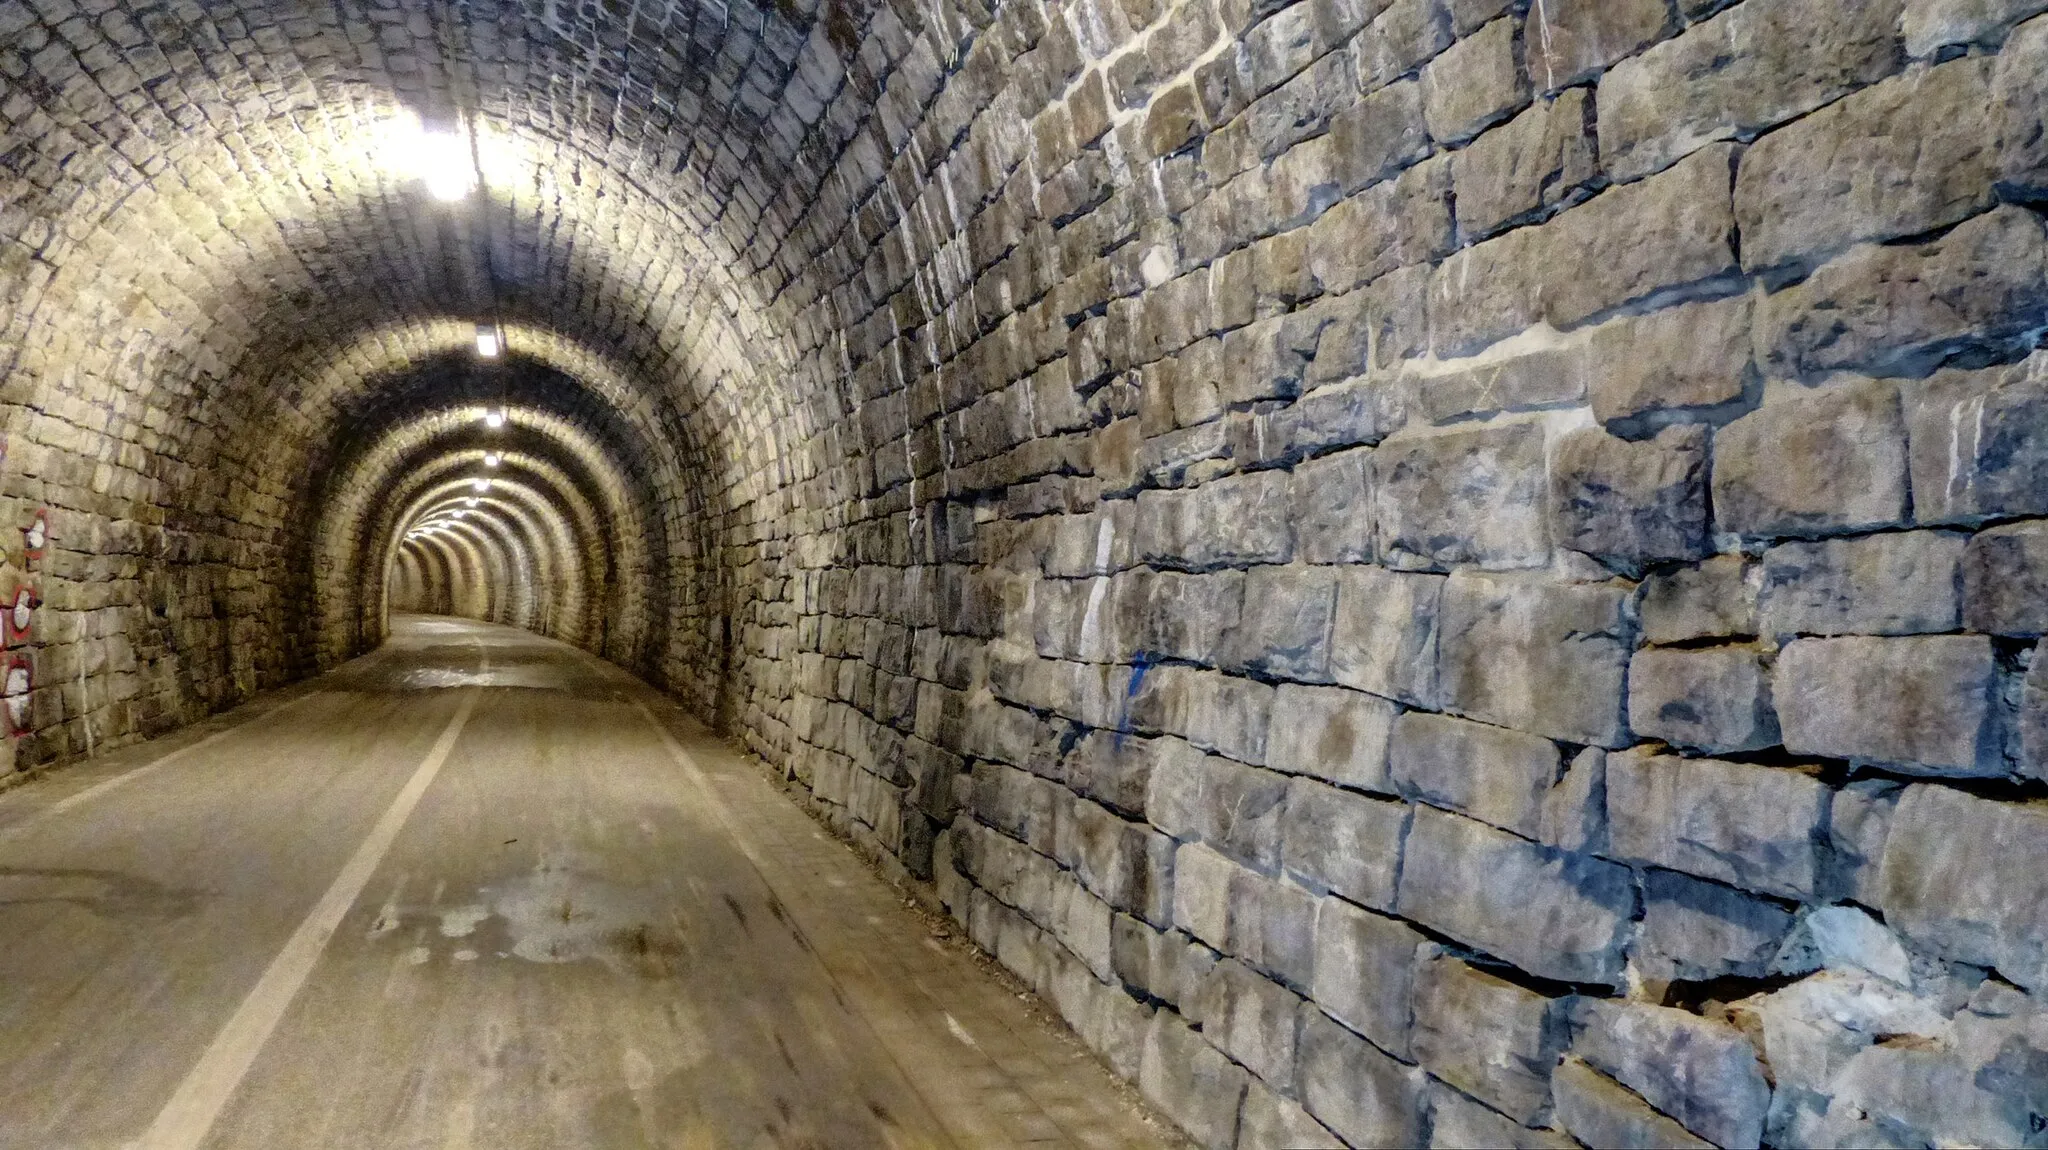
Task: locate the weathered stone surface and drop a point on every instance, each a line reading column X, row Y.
column 1407, row 33
column 1476, row 82
column 1235, row 520
column 1185, row 616
column 1165, row 964
column 1380, row 135
column 1284, row 630
column 1188, row 1079
column 1232, row 807
column 1572, row 40
column 1702, row 1073
column 1689, row 357
column 1490, row 1038
column 1494, row 775
column 2005, row 580
column 1364, row 972
column 1543, row 158
column 2033, row 716
column 1923, row 704
column 1788, row 58
column 1979, row 443
column 1895, row 159
column 1367, row 1098
column 1549, row 375
column 1813, row 463
column 1898, row 309
column 1274, row 1122
column 1622, row 245
column 1751, row 826
column 1555, row 915
column 1631, row 502
column 1457, row 1123
column 1858, row 824
column 1221, row 713
column 1696, row 931
column 1968, row 879
column 1334, row 734
column 1710, row 699
column 1390, row 225
column 1385, row 640
column 1536, row 656
column 1125, row 864
column 1333, row 508
column 1903, row 583
column 1715, row 600
column 1574, row 815
column 1598, row 1111
column 1344, row 843
column 1247, row 1016
column 2016, row 99
column 1462, row 495
column 1934, row 24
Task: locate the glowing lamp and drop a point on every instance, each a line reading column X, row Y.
column 495, row 417
column 491, row 459
column 488, row 346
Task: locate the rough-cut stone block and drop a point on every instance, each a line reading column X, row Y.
column 1933, row 24
column 1344, row 843
column 1902, row 583
column 1462, row 495
column 1967, row 878
column 1542, row 158
column 1751, row 826
column 1458, row 1123
column 1979, row 443
column 1364, row 972
column 1184, row 616
column 1631, row 502
column 1923, row 704
column 1695, row 931
column 1715, row 600
column 1690, row 357
column 1902, row 308
column 1743, row 70
column 1249, row 1017
column 1284, row 631
column 1555, row 915
column 1858, row 824
column 1274, row 1122
column 1215, row 712
column 1490, row 1038
column 1190, row 1082
column 1705, row 1074
column 2005, row 580
column 1367, row 1098
column 2018, row 106
column 1232, row 807
column 1333, row 508
column 2033, row 716
column 1814, row 463
column 1903, row 157
column 1165, row 964
column 1331, row 733
column 1473, row 84
column 1571, row 40
column 1622, row 245
column 1385, row 639
column 1536, row 656
column 1714, row 699
column 1598, row 1111
column 1380, row 135
column 1494, row 775
column 1574, row 816
column 1235, row 520
column 1552, row 374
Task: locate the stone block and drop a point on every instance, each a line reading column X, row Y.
column 1739, row 72
column 1275, row 1122
column 1267, row 924
column 1344, row 843
column 1536, row 656
column 1967, row 878
column 1333, row 508
column 1574, row 816
column 1979, row 443
column 1393, row 224
column 2033, row 716
column 1923, row 704
column 1692, row 357
column 1598, row 1111
column 1202, row 879
column 1930, row 25
column 1232, row 807
column 1631, row 502
column 1750, row 826
column 1858, row 824
column 1125, row 864
column 1715, row 600
column 1116, row 770
column 1572, row 40
column 1365, row 972
column 1702, row 1073
column 2017, row 103
column 1215, row 712
column 1814, row 463
column 1486, row 1036
column 1365, row 1097
column 1473, row 84
column 1191, row 1083
column 1183, row 616
column 1899, row 158
column 1284, row 630
column 1554, row 915
column 1232, row 521
column 1462, row 495
column 1458, row 1123
column 1900, row 309
column 1248, row 1017
column 1901, row 583
column 2005, row 580
column 1380, row 135
column 1164, row 964
column 1385, row 638
column 1695, row 931
column 1407, row 33
column 1494, row 775
column 1543, row 158
column 1331, row 733
column 1708, row 699
column 1551, row 374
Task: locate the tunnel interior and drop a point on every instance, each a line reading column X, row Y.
column 1425, row 571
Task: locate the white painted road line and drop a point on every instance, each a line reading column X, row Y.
column 185, row 1120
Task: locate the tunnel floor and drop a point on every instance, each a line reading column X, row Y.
column 479, row 889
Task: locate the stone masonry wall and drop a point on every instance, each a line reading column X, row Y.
column 1445, row 572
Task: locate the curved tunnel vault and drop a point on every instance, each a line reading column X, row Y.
column 1230, row 493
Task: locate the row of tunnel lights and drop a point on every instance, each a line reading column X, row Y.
column 489, row 343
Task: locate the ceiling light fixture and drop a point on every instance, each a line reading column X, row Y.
column 491, row 458
column 440, row 159
column 480, row 484
column 487, row 346
column 495, row 417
